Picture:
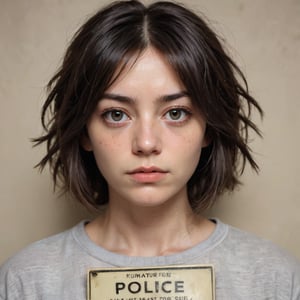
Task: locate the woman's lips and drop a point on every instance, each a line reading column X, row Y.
column 147, row 174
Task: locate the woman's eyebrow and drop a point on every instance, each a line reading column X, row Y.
column 164, row 98
column 117, row 97
column 172, row 97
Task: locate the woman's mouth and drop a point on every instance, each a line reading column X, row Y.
column 147, row 174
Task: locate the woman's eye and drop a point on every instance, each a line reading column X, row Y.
column 177, row 114
column 115, row 116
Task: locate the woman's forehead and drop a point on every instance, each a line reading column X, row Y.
column 150, row 67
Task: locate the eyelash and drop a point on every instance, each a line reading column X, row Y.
column 183, row 110
column 106, row 115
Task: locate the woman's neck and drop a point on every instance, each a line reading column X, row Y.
column 149, row 231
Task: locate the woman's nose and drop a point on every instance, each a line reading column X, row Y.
column 147, row 139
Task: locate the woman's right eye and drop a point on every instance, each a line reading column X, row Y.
column 115, row 116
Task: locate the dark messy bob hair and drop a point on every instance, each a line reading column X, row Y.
column 214, row 83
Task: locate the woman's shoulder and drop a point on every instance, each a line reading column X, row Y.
column 39, row 254
column 42, row 267
column 242, row 246
column 254, row 267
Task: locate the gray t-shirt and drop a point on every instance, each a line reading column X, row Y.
column 246, row 267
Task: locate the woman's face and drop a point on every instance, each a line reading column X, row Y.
column 146, row 135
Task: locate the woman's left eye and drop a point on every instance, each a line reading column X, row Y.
column 177, row 115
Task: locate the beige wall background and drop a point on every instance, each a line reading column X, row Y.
column 264, row 37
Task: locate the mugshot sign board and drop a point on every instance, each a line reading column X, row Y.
column 194, row 282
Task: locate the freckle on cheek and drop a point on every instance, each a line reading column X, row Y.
column 110, row 144
column 188, row 140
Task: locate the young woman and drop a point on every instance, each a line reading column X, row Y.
column 147, row 121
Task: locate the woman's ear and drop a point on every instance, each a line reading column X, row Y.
column 207, row 139
column 85, row 142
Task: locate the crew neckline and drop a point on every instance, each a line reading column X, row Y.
column 121, row 260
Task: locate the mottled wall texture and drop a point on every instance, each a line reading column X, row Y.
column 264, row 38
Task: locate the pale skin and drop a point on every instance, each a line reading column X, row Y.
column 147, row 137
